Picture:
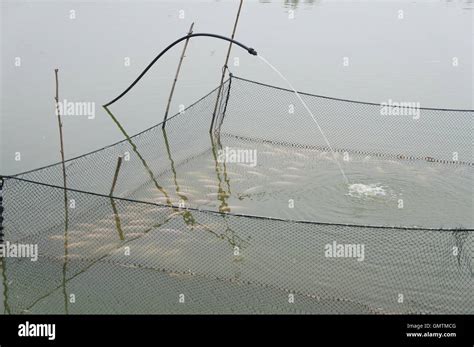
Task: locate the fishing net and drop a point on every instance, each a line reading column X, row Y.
column 187, row 232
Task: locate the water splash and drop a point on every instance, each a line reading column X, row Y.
column 360, row 190
column 311, row 114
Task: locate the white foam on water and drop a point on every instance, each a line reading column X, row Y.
column 360, row 190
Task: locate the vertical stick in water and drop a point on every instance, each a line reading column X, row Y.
column 60, row 124
column 66, row 213
column 176, row 76
column 224, row 68
column 311, row 114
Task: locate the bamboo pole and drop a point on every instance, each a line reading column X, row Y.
column 225, row 66
column 176, row 76
column 61, row 139
column 66, row 212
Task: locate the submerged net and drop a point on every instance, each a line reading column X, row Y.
column 187, row 232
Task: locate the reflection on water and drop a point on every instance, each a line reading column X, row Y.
column 182, row 203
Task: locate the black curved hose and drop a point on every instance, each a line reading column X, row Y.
column 248, row 49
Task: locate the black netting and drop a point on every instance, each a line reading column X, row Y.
column 355, row 127
column 185, row 232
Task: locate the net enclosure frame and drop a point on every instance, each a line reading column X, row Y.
column 159, row 249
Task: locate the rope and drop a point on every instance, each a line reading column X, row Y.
column 231, row 214
column 346, row 100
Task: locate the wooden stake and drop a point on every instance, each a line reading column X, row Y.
column 225, row 66
column 176, row 76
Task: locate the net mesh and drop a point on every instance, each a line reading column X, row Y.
column 186, row 232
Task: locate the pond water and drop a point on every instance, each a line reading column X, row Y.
column 221, row 262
